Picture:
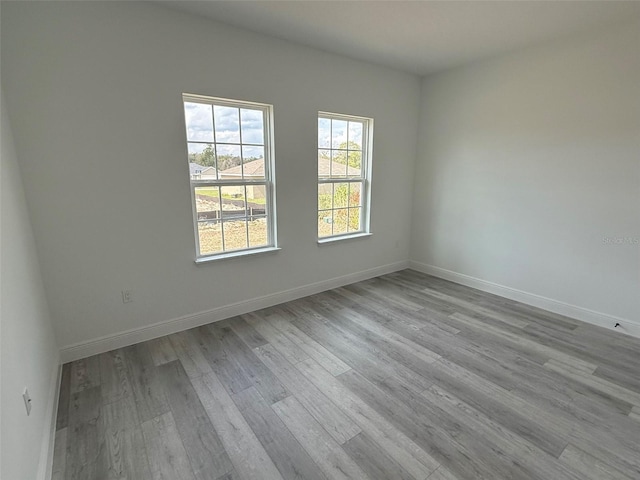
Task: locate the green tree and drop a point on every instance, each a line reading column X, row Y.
column 208, row 157
column 353, row 157
column 227, row 161
column 341, row 200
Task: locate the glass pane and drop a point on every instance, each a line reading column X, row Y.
column 355, row 163
column 355, row 135
column 340, row 221
column 340, row 193
column 258, row 232
column 252, row 125
column 229, row 161
column 199, row 122
column 324, row 133
column 354, row 219
column 234, row 204
column 338, row 133
column 324, row 196
column 210, row 237
column 202, row 161
column 325, row 223
column 207, row 203
column 227, row 122
column 339, row 163
column 256, row 196
column 253, row 158
column 235, row 234
column 256, row 207
column 355, row 190
column 324, row 162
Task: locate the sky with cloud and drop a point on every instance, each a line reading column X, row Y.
column 228, row 125
column 334, row 133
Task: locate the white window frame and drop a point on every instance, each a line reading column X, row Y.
column 268, row 182
column 364, row 179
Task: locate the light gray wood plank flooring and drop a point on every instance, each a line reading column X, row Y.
column 403, row 376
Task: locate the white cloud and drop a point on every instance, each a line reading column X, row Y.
column 199, row 122
column 227, row 123
column 201, row 118
column 336, row 133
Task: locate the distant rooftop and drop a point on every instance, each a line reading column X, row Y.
column 255, row 168
column 197, row 169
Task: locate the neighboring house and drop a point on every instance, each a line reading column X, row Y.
column 255, row 169
column 200, row 172
column 327, row 168
column 252, row 169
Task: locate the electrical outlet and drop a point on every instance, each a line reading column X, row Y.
column 127, row 296
column 27, row 401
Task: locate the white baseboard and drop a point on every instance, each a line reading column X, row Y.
column 45, row 465
column 167, row 327
column 630, row 327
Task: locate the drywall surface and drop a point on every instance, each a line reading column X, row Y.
column 94, row 91
column 28, row 353
column 528, row 172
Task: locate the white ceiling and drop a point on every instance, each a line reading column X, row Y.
column 416, row 36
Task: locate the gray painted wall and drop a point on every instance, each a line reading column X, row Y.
column 528, row 171
column 28, row 349
column 94, row 90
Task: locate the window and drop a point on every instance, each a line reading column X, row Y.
column 230, row 167
column 344, row 175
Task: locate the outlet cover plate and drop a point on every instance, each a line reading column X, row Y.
column 127, row 296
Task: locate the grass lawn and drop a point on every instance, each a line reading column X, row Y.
column 213, row 192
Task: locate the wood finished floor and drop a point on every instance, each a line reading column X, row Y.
column 404, row 376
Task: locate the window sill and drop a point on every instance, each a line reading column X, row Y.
column 329, row 240
column 238, row 254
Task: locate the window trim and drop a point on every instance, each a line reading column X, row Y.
column 365, row 178
column 268, row 182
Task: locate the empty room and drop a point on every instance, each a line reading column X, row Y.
column 320, row 240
